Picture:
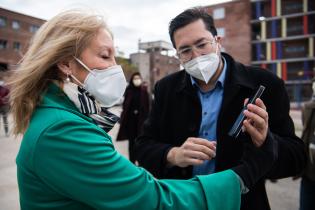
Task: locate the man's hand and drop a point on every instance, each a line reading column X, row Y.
column 256, row 122
column 194, row 151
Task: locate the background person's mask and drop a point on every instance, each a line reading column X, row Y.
column 107, row 86
column 137, row 82
column 203, row 67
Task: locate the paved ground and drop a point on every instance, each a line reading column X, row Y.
column 283, row 194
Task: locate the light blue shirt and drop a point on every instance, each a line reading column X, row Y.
column 210, row 105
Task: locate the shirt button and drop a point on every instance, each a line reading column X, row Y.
column 206, row 133
column 205, row 113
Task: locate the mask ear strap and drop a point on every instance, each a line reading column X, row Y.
column 85, row 66
column 73, row 77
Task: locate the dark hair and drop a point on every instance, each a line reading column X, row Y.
column 133, row 75
column 131, row 78
column 189, row 16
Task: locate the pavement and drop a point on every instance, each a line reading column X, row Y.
column 283, row 195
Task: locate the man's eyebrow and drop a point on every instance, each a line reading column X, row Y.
column 196, row 42
column 199, row 40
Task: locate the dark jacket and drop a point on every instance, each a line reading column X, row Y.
column 4, row 99
column 135, row 111
column 176, row 115
column 4, row 95
column 308, row 136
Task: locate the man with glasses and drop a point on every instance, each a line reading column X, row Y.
column 186, row 133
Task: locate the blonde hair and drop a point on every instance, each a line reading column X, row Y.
column 64, row 36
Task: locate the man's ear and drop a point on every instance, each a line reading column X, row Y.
column 64, row 66
column 219, row 40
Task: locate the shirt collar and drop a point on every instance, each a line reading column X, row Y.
column 220, row 80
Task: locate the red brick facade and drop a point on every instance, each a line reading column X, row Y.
column 15, row 41
column 236, row 22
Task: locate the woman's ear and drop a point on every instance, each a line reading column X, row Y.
column 64, row 66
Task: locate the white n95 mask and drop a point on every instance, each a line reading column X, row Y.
column 107, row 86
column 203, row 67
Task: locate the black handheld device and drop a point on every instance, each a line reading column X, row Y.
column 237, row 126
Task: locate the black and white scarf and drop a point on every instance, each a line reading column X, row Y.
column 88, row 106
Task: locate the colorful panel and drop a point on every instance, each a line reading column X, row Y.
column 283, row 27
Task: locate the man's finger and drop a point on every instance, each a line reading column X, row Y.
column 201, row 148
column 245, row 101
column 260, row 103
column 258, row 110
column 204, row 142
column 194, row 162
column 253, row 132
column 258, row 121
column 197, row 155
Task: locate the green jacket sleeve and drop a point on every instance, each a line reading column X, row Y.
column 78, row 160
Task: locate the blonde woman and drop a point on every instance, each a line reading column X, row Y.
column 67, row 159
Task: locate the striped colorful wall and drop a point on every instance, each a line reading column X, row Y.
column 277, row 28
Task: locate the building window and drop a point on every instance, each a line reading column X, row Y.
column 33, row 28
column 221, row 32
column 219, row 13
column 294, row 48
column 3, row 44
column 295, row 26
column 15, row 24
column 17, row 46
column 3, row 21
column 291, row 7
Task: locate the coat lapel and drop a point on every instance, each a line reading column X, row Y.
column 185, row 87
column 236, row 86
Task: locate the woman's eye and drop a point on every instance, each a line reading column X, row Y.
column 105, row 57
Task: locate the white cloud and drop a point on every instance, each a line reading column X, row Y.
column 130, row 20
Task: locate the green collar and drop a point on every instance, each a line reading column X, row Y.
column 54, row 97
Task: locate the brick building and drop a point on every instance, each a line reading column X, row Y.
column 153, row 61
column 16, row 31
column 232, row 20
column 274, row 34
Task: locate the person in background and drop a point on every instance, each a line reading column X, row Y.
column 307, row 191
column 186, row 133
column 4, row 106
column 135, row 111
column 67, row 160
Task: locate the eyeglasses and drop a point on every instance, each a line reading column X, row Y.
column 203, row 47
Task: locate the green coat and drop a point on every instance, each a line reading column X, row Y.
column 67, row 162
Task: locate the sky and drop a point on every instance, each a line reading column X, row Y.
column 129, row 20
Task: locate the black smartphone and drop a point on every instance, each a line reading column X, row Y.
column 237, row 126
